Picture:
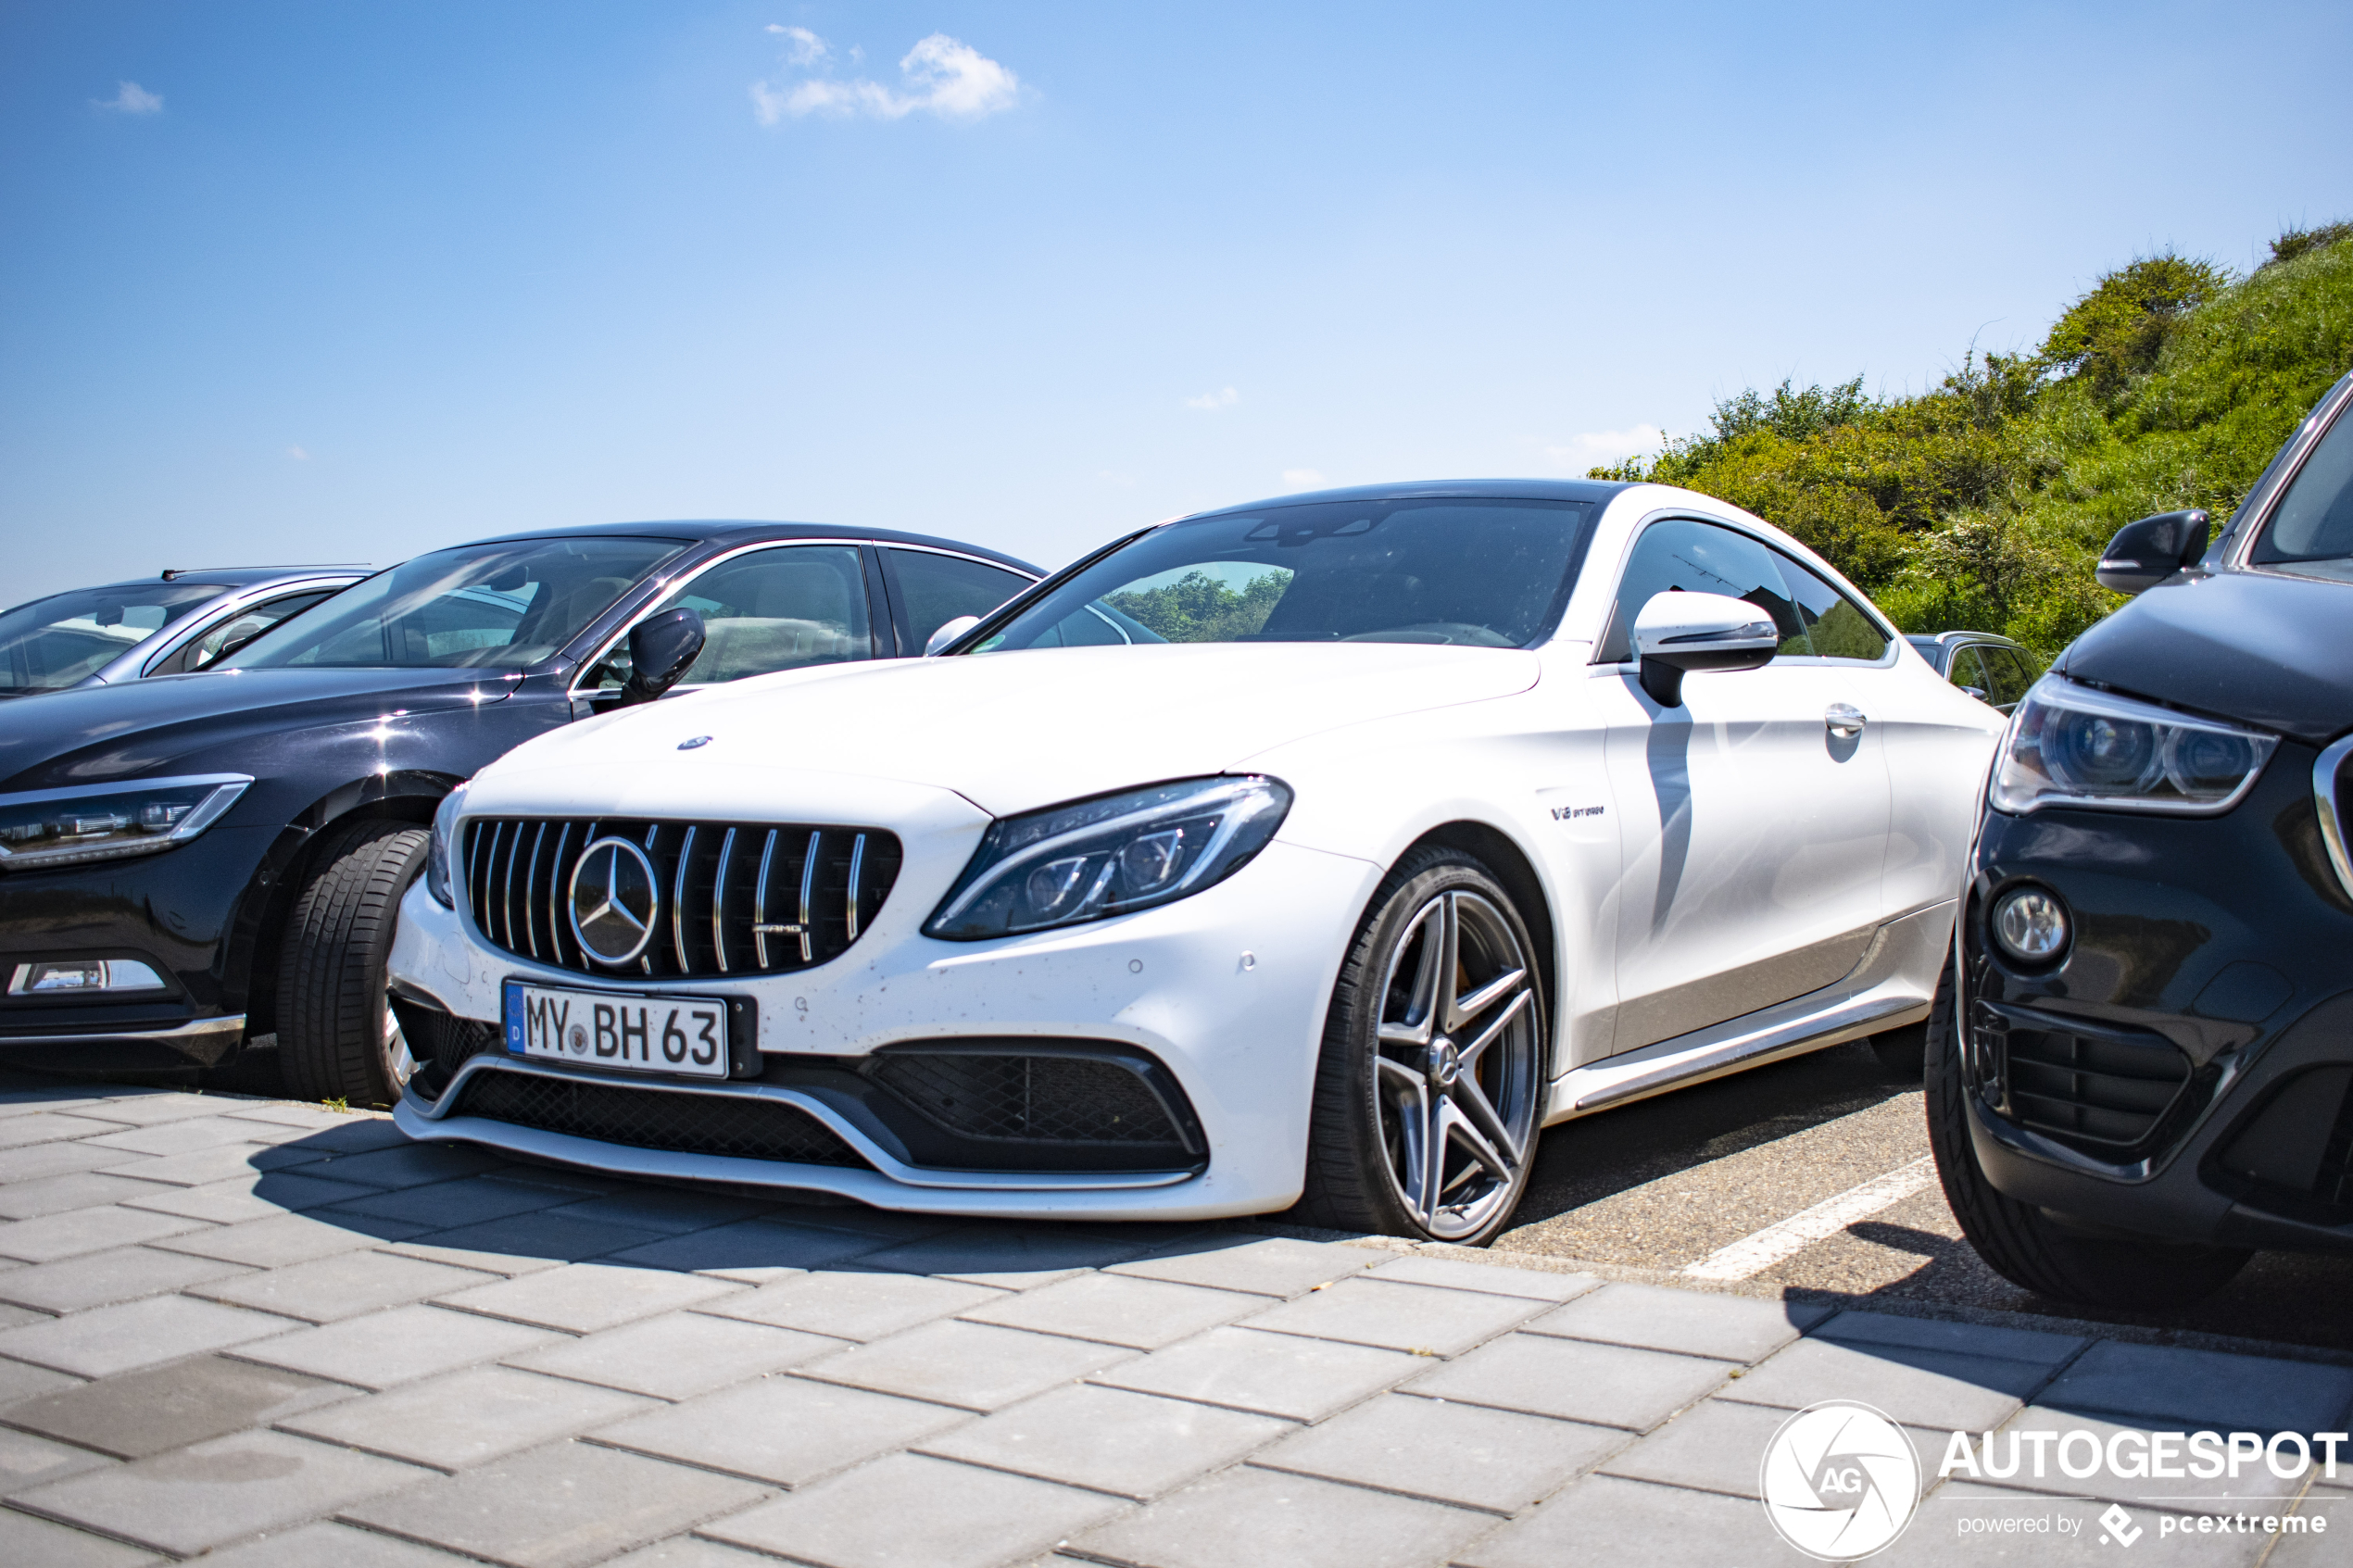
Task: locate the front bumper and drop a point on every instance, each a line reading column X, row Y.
column 2185, row 1071
column 1226, row 990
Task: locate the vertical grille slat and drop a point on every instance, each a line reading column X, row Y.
column 833, row 880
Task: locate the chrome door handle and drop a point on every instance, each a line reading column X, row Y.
column 1843, row 721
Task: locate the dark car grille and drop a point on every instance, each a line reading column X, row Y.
column 1048, row 1098
column 2096, row 1088
column 681, row 1122
column 732, row 897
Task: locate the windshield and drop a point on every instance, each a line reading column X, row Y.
column 478, row 606
column 60, row 641
column 1479, row 573
column 2313, row 526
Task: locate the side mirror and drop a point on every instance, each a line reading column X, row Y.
column 2145, row 553
column 660, row 649
column 949, row 632
column 1679, row 633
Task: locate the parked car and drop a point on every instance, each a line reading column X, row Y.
column 1990, row 668
column 2141, row 1067
column 173, row 625
column 191, row 862
column 1417, row 818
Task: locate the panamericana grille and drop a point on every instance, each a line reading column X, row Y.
column 2096, row 1088
column 683, row 1122
column 1051, row 1098
column 732, row 898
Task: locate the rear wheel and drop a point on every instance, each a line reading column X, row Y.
column 2024, row 1244
column 1428, row 1088
column 336, row 1037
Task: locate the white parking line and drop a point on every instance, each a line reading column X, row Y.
column 1760, row 1250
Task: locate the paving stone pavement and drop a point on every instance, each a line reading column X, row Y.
column 268, row 1335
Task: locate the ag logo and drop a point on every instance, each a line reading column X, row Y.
column 1840, row 1480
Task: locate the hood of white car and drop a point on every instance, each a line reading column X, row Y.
column 1007, row 731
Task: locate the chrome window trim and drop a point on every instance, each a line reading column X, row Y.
column 2324, row 776
column 230, row 606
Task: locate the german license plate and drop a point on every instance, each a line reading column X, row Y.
column 637, row 1033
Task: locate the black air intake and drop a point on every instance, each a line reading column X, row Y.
column 683, row 1122
column 2100, row 1089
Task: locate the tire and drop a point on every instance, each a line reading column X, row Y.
column 1406, row 1071
column 336, row 1037
column 2025, row 1245
column 1903, row 1053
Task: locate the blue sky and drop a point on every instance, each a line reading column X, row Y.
column 351, row 281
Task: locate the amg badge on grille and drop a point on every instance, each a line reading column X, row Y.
column 614, row 901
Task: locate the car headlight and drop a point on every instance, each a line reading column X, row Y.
column 68, row 827
column 2073, row 746
column 444, row 835
column 1117, row 853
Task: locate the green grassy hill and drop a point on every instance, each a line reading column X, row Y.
column 1983, row 504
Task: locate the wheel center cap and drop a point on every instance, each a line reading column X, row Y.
column 1445, row 1064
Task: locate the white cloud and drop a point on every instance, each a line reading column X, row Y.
column 1600, row 449
column 1224, row 398
column 1304, row 479
column 945, row 76
column 130, row 98
column 297, row 454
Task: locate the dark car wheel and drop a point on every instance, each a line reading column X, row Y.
column 1903, row 1053
column 1429, row 1089
column 2023, row 1244
column 336, row 1037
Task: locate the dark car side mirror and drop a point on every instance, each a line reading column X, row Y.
column 660, row 649
column 1677, row 633
column 2145, row 553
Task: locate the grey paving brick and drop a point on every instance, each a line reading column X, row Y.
column 583, row 1297
column 853, row 1306
column 1961, row 1338
column 1499, row 1460
column 343, row 1285
column 24, row 1540
column 311, row 1546
column 1011, row 1257
column 1270, row 1374
column 35, row 1160
column 1399, row 1317
column 1936, row 1536
column 504, row 1264
column 909, row 1508
column 27, row 1460
column 1501, row 1279
column 973, row 1365
column 80, row 1231
column 1732, row 1328
column 1268, row 1265
column 2204, row 1387
column 691, row 1551
column 140, row 1107
column 349, row 1136
column 48, row 1126
column 1607, row 1385
column 20, row 1381
column 289, row 1238
column 140, row 1413
column 119, row 1273
column 678, row 1355
column 1143, row 1314
column 1252, row 1518
column 752, row 1251
column 255, row 1194
column 402, row 1164
column 221, row 1163
column 446, row 1205
column 1604, row 1519
column 10, row 1317
column 400, row 1344
column 467, row 1417
column 783, row 1430
column 2311, row 1551
column 187, row 1134
column 543, row 1234
column 191, row 1498
column 665, row 1210
column 566, row 1178
column 563, row 1506
column 1111, row 1440
column 1717, row 1446
column 78, row 1189
column 1916, row 1387
column 297, row 1113
column 135, row 1333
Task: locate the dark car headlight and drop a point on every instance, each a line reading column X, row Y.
column 68, row 827
column 438, row 851
column 2074, row 746
column 1116, row 853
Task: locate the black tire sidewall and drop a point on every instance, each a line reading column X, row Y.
column 332, row 1041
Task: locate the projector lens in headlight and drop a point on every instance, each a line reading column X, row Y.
column 2072, row 744
column 66, row 827
column 2029, row 925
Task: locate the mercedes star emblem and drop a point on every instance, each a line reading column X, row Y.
column 614, row 899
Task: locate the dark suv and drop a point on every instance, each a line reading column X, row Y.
column 2141, row 1065
column 189, row 862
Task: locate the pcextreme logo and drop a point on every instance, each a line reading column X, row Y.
column 1840, row 1481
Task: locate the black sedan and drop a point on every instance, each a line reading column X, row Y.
column 192, row 862
column 2141, row 1068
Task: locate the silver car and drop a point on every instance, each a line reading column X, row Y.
column 174, row 624
column 1990, row 668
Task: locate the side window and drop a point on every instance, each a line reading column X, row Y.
column 201, row 653
column 1682, row 555
column 1968, row 673
column 2010, row 673
column 937, row 589
column 763, row 611
column 1839, row 627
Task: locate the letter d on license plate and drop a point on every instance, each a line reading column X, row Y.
column 639, row 1033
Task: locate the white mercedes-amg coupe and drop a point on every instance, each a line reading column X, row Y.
column 1321, row 852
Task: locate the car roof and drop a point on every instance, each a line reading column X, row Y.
column 741, row 531
column 230, row 578
column 1949, row 639
column 1467, row 489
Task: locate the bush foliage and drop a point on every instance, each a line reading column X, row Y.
column 1984, row 503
